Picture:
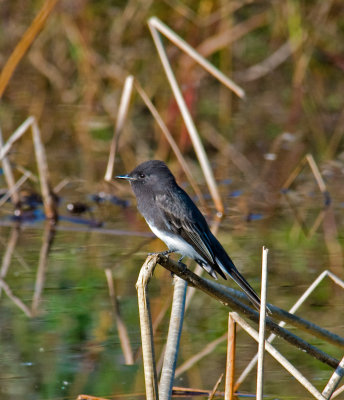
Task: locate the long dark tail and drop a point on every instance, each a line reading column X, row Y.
column 225, row 266
column 245, row 286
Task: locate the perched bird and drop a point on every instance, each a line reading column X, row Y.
column 175, row 219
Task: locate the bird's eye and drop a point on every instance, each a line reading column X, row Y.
column 142, row 175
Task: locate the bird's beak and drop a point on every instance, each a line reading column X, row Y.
column 126, row 177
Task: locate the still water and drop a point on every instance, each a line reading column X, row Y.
column 68, row 308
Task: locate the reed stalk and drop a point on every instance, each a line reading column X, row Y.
column 151, row 380
column 8, row 173
column 262, row 321
column 222, row 294
column 334, row 380
column 292, row 310
column 230, row 364
column 189, row 123
column 279, row 357
column 173, row 339
column 50, row 207
column 121, row 117
column 24, row 43
column 172, row 143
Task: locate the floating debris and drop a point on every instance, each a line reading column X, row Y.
column 78, row 208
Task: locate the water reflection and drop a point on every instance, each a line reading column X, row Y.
column 69, row 319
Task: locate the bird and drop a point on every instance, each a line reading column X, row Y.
column 175, row 219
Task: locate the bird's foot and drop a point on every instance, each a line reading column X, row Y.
column 161, row 253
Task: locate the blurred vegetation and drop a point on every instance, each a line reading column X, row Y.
column 72, row 76
column 288, row 57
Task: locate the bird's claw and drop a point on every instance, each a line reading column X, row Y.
column 161, row 253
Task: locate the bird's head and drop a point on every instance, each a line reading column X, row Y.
column 153, row 173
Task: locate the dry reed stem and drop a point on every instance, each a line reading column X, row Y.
column 262, row 321
column 292, row 310
column 211, row 346
column 11, row 183
column 25, row 171
column 230, row 364
column 49, row 203
column 17, row 134
column 316, row 173
column 338, row 392
column 151, row 380
column 171, row 142
column 279, row 357
column 225, row 38
column 14, row 189
column 315, row 170
column 50, row 206
column 334, row 380
column 283, row 315
column 24, row 43
column 156, row 24
column 222, row 294
column 121, row 328
column 121, row 117
column 294, row 174
column 213, row 392
column 196, row 141
column 173, row 339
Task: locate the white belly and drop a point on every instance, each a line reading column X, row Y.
column 176, row 244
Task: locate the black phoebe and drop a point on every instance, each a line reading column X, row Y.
column 175, row 219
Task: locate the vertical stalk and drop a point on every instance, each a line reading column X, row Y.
column 189, row 123
column 230, row 365
column 173, row 339
column 261, row 337
column 121, row 116
column 11, row 183
column 151, row 380
column 43, row 171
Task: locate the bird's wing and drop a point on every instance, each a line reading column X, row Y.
column 184, row 219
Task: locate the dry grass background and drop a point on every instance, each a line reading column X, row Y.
column 286, row 55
